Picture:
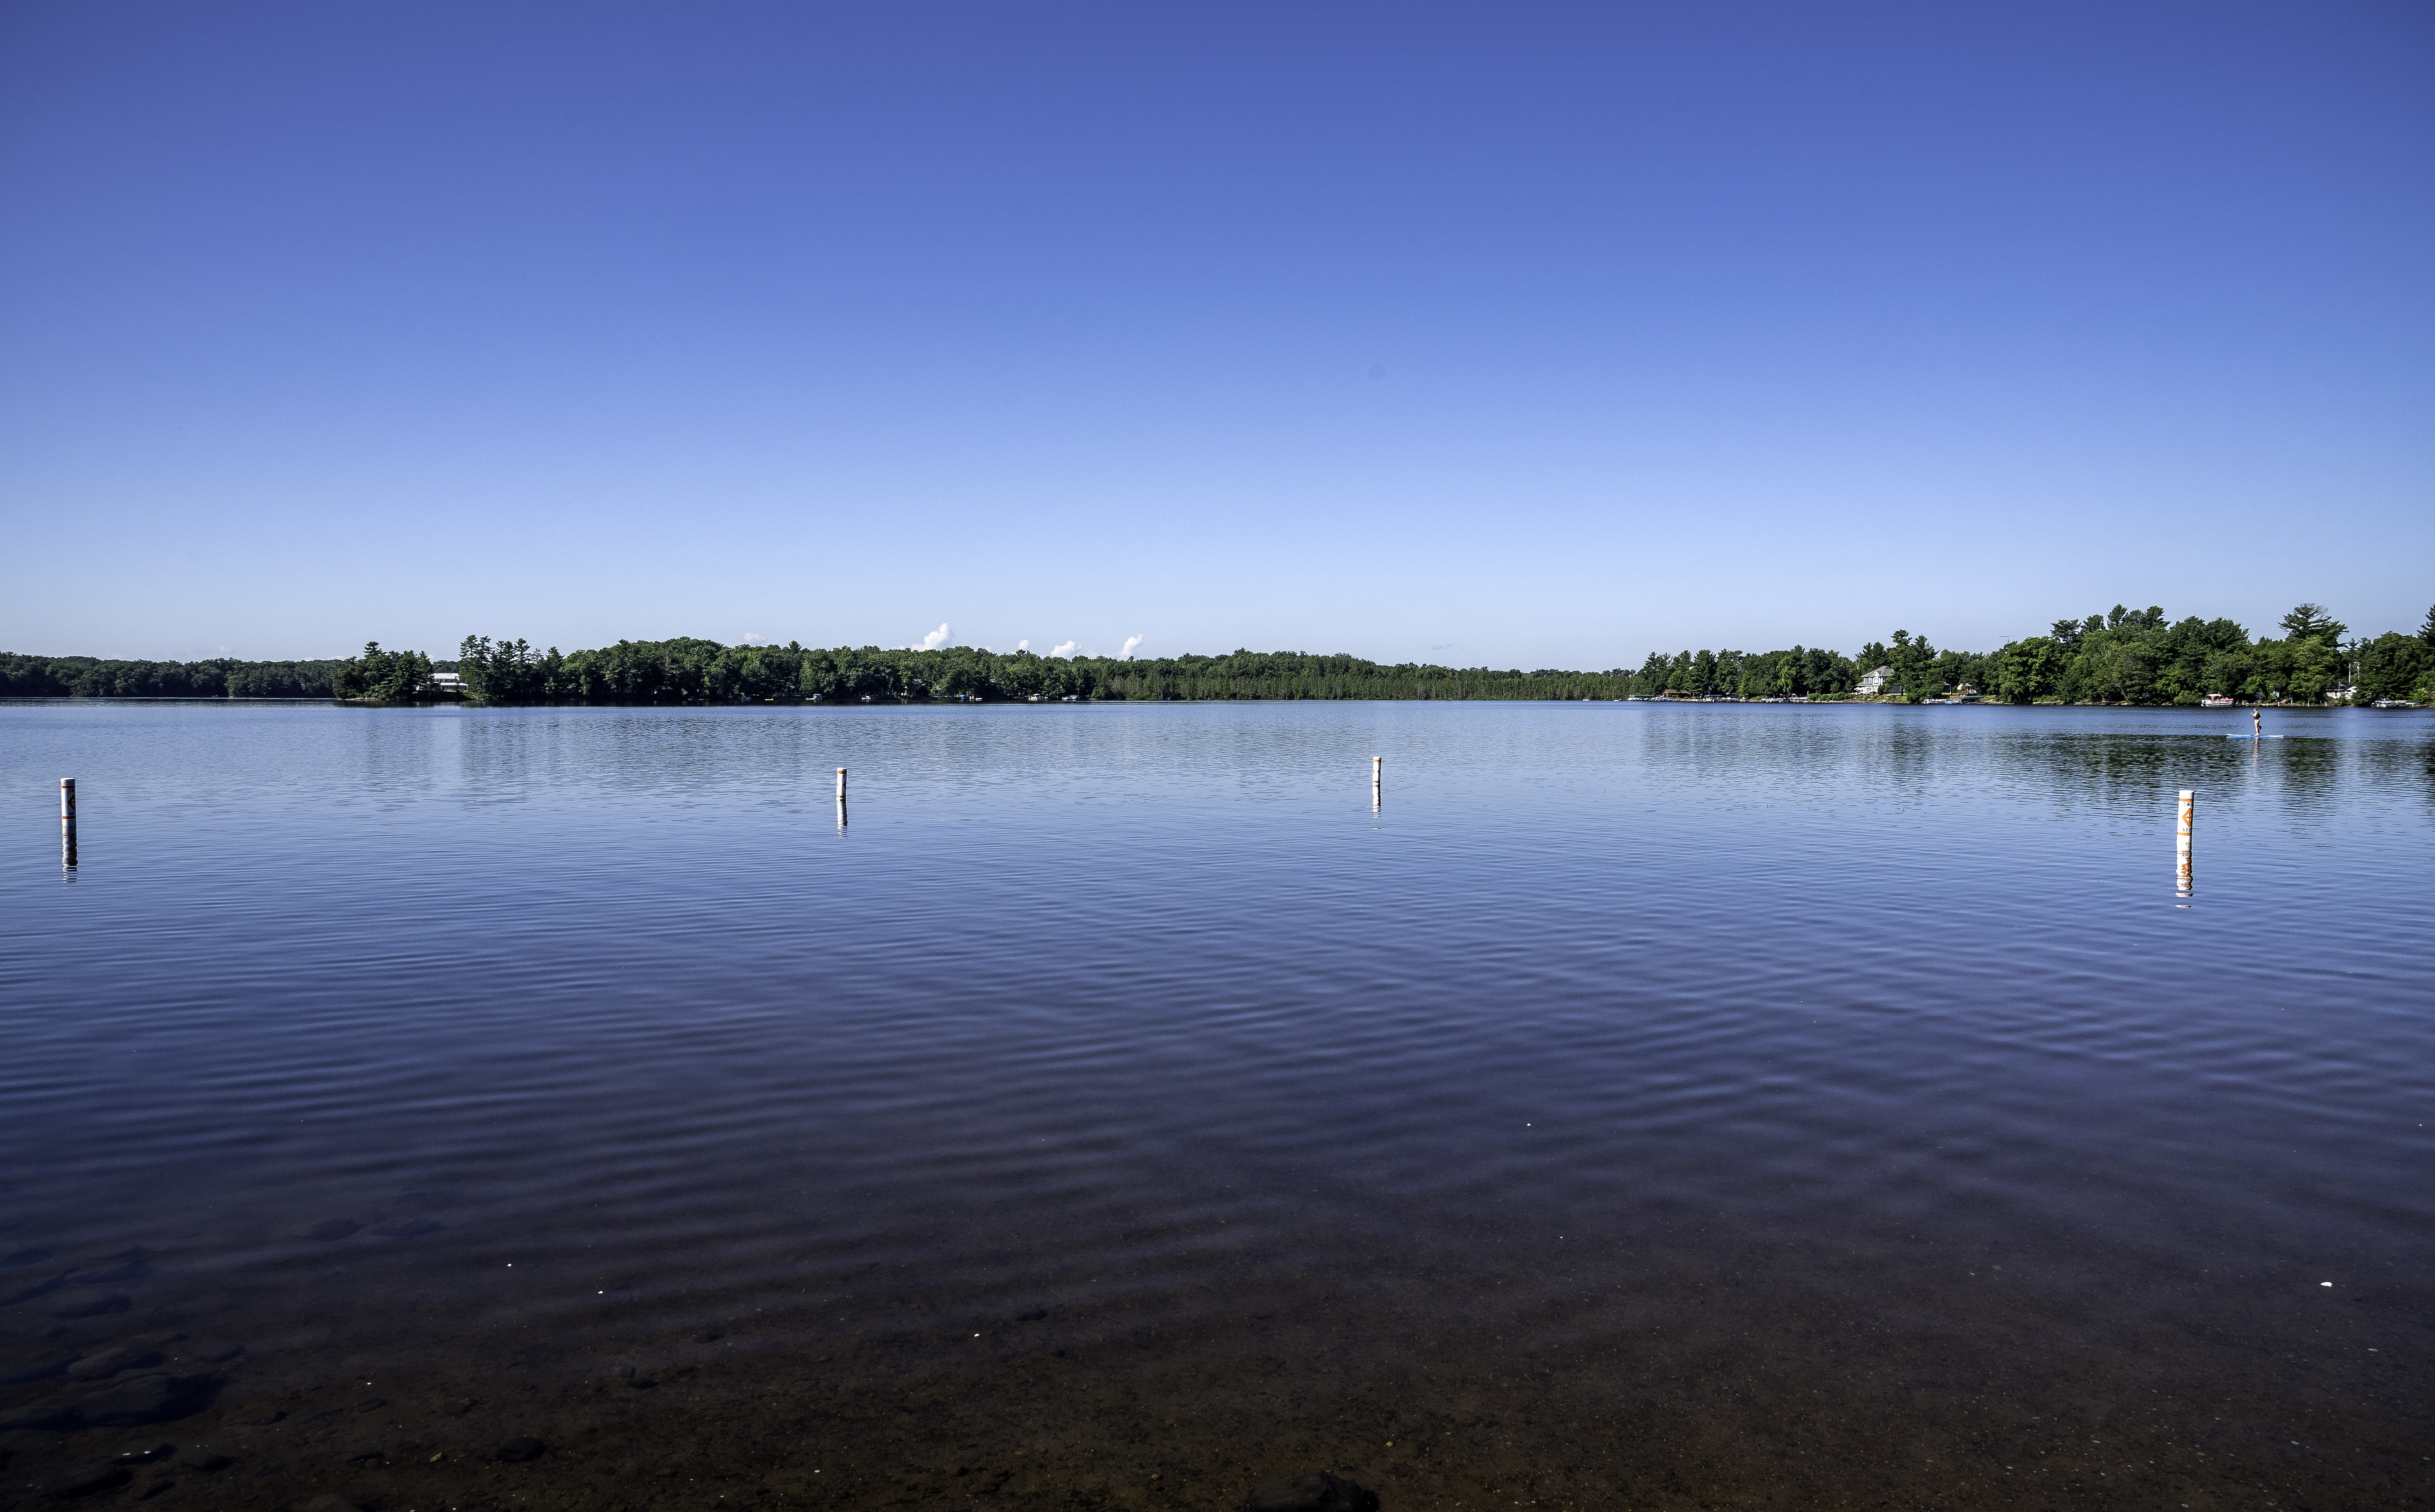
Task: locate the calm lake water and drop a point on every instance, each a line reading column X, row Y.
column 1641, row 1106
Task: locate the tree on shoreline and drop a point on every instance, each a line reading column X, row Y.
column 385, row 677
column 2309, row 622
column 510, row 672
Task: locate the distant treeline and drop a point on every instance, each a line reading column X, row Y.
column 692, row 671
column 85, row 676
column 387, row 677
column 2133, row 656
column 2123, row 655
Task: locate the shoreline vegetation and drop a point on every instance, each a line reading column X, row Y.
column 2122, row 657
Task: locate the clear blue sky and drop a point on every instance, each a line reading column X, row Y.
column 1526, row 336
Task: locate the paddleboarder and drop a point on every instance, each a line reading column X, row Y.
column 2256, row 724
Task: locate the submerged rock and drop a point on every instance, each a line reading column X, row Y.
column 216, row 1352
column 1320, row 1492
column 28, row 1293
column 36, row 1372
column 134, row 1400
column 55, row 1416
column 108, row 1362
column 95, row 1307
column 89, row 1480
column 408, row 1229
column 329, row 1229
column 517, row 1451
column 27, row 1255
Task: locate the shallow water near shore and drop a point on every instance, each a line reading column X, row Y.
column 1639, row 1107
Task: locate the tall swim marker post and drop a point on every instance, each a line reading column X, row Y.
column 2182, row 842
column 1377, row 777
column 67, row 822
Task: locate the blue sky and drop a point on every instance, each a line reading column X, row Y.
column 1509, row 334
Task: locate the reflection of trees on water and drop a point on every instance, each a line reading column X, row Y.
column 1776, row 755
column 2300, row 773
column 394, row 753
column 2307, row 774
column 1899, row 757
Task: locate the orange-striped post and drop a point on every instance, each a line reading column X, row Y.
column 2181, row 840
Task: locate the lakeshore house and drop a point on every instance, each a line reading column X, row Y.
column 448, row 681
column 1879, row 681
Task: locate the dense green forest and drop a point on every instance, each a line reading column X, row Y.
column 2135, row 655
column 2123, row 655
column 691, row 670
column 85, row 676
column 388, row 676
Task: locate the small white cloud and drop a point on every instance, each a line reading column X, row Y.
column 1062, row 648
column 935, row 639
column 1131, row 641
column 1023, row 645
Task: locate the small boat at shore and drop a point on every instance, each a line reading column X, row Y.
column 2217, row 700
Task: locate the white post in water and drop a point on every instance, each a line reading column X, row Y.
column 840, row 784
column 67, row 821
column 1377, row 777
column 2182, row 842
